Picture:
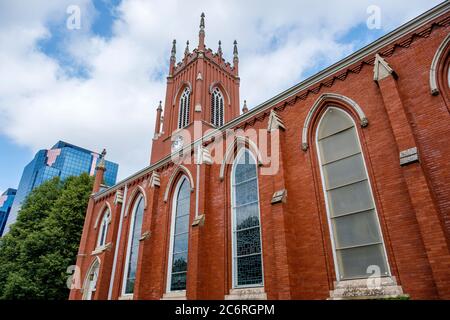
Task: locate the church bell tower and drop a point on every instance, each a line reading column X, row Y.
column 202, row 92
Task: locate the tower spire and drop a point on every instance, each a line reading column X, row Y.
column 201, row 33
column 172, row 57
column 186, row 51
column 99, row 172
column 219, row 51
column 235, row 58
column 173, row 52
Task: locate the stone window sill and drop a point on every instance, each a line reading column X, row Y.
column 126, row 297
column 101, row 249
column 175, row 295
column 247, row 294
column 371, row 288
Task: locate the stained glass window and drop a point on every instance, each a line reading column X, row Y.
column 247, row 259
column 133, row 245
column 354, row 223
column 217, row 107
column 180, row 235
column 185, row 102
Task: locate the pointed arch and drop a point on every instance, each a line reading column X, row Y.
column 246, row 236
column 437, row 60
column 133, row 195
column 239, row 142
column 101, row 212
column 184, row 108
column 133, row 243
column 355, row 230
column 88, row 285
column 217, row 108
column 175, row 173
column 179, row 236
column 219, row 84
column 180, row 88
column 320, row 102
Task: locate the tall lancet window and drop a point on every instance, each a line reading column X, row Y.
column 178, row 255
column 217, row 107
column 185, row 102
column 246, row 229
column 133, row 245
column 356, row 235
column 104, row 226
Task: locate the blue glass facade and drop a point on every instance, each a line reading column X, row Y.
column 6, row 201
column 62, row 160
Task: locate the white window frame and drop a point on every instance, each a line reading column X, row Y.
column 172, row 235
column 217, row 113
column 330, row 227
column 184, row 108
column 233, row 226
column 89, row 290
column 130, row 237
column 106, row 220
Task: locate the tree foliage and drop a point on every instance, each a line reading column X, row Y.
column 43, row 242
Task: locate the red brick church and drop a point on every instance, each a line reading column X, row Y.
column 336, row 188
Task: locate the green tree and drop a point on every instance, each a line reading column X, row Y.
column 35, row 254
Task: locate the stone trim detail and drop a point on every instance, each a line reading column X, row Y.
column 155, row 180
column 176, row 295
column 279, row 196
column 323, row 99
column 101, row 212
column 409, row 156
column 101, row 249
column 434, row 65
column 204, row 156
column 147, row 234
column 118, row 198
column 372, row 288
column 199, row 221
column 275, row 122
column 179, row 169
column 381, row 69
column 247, row 294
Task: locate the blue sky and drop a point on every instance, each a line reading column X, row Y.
column 98, row 86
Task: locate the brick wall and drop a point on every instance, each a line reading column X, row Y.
column 413, row 202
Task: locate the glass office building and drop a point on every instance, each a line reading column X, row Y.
column 62, row 160
column 6, row 201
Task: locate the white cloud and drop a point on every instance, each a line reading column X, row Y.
column 114, row 108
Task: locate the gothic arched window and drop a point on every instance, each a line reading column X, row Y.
column 90, row 283
column 217, row 109
column 133, row 245
column 104, row 226
column 356, row 234
column 179, row 235
column 246, row 228
column 185, row 102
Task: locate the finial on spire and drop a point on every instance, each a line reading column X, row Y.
column 219, row 51
column 244, row 108
column 202, row 21
column 201, row 33
column 235, row 50
column 186, row 51
column 159, row 106
column 101, row 163
column 174, row 49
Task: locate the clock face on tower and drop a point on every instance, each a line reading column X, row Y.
column 177, row 143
